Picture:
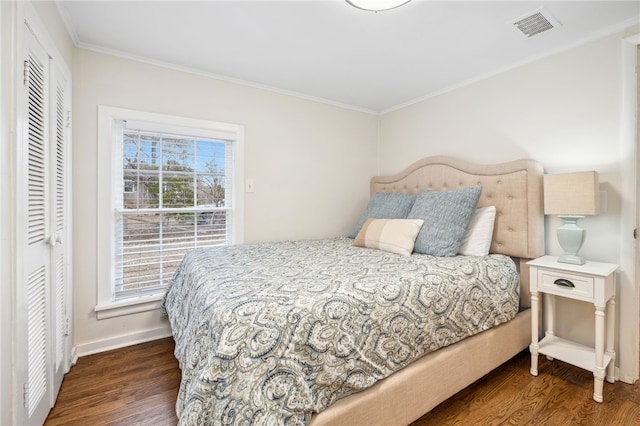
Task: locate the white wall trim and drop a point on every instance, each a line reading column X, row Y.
column 66, row 20
column 138, row 58
column 97, row 346
column 604, row 33
column 194, row 71
column 128, row 306
column 7, row 137
column 629, row 348
column 106, row 307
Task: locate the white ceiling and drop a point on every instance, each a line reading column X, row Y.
column 331, row 51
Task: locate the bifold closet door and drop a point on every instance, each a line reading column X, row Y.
column 59, row 221
column 42, row 320
column 34, row 256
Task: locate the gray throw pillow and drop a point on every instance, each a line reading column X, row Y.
column 384, row 205
column 446, row 216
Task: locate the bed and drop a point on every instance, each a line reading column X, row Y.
column 262, row 347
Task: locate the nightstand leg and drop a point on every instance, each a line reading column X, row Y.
column 599, row 371
column 550, row 314
column 535, row 329
column 610, row 349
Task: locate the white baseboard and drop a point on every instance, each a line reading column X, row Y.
column 117, row 342
column 74, row 357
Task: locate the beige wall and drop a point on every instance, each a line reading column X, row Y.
column 564, row 111
column 310, row 163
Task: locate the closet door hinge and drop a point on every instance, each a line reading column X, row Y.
column 25, row 80
column 25, row 394
column 68, row 119
column 66, row 326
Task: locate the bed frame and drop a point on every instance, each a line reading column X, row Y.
column 515, row 188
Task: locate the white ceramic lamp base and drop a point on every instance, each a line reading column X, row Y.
column 571, row 237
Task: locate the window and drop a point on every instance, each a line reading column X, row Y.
column 129, row 186
column 172, row 187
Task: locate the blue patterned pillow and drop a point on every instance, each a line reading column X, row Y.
column 383, row 205
column 446, row 216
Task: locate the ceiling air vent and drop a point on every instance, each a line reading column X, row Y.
column 535, row 23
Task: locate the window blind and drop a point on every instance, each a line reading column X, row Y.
column 172, row 194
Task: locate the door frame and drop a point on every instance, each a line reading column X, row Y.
column 630, row 217
column 7, row 259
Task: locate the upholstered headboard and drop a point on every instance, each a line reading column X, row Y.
column 514, row 188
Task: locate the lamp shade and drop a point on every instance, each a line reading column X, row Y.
column 572, row 194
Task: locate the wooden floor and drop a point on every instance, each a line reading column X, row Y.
column 138, row 385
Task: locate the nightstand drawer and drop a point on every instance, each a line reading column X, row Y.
column 582, row 285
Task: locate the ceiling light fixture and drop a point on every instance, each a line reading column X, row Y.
column 377, row 5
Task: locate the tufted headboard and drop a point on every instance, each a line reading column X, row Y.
column 514, row 188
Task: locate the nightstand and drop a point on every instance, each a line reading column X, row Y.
column 593, row 282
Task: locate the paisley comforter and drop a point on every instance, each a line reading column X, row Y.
column 271, row 333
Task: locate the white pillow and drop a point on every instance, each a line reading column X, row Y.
column 393, row 235
column 477, row 238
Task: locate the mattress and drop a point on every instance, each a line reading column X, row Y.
column 272, row 333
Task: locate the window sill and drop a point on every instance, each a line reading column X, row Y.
column 127, row 307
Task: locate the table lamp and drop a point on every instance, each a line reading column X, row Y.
column 571, row 196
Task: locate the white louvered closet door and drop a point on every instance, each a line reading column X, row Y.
column 42, row 219
column 59, row 159
column 34, row 309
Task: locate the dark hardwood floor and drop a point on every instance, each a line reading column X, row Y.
column 138, row 385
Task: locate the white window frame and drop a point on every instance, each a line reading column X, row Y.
column 108, row 156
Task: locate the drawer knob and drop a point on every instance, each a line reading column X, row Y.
column 563, row 282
